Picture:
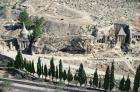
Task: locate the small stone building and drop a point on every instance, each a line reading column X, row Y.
column 22, row 40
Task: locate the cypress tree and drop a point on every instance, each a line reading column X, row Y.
column 112, row 78
column 39, row 67
column 16, row 64
column 56, row 73
column 60, row 70
column 26, row 67
column 76, row 76
column 30, row 67
column 64, row 75
column 95, row 79
column 81, row 75
column 122, row 84
column 33, row 68
column 90, row 82
column 99, row 85
column 127, row 84
column 42, row 71
column 19, row 61
column 45, row 71
column 106, row 79
column 49, row 72
column 52, row 68
column 24, row 63
column 70, row 76
column 137, row 80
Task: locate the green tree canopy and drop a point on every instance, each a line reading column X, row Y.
column 25, row 18
column 37, row 31
column 127, row 84
column 64, row 75
column 70, row 76
column 137, row 80
column 52, row 68
column 107, row 79
column 90, row 82
column 81, row 75
column 56, row 73
column 112, row 78
column 100, row 83
column 19, row 61
column 45, row 71
column 39, row 67
column 60, row 70
column 95, row 78
column 122, row 84
column 33, row 68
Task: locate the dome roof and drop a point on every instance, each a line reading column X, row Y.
column 24, row 32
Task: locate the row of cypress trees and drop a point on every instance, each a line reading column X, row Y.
column 109, row 80
column 125, row 85
column 80, row 76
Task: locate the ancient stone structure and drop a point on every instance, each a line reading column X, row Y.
column 23, row 41
column 121, row 36
column 68, row 20
column 120, row 39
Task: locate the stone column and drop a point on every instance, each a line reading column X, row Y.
column 11, row 45
column 22, row 45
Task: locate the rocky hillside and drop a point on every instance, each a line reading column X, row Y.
column 102, row 12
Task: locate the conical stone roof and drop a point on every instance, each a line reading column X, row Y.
column 24, row 32
column 121, row 32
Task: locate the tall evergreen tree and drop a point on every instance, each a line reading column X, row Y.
column 19, row 61
column 70, row 76
column 29, row 66
column 90, row 82
column 99, row 85
column 60, row 70
column 24, row 18
column 39, row 67
column 42, row 71
column 56, row 73
column 137, row 80
column 76, row 76
column 24, row 63
column 37, row 31
column 122, row 84
column 33, row 68
column 127, row 84
column 52, row 68
column 49, row 73
column 95, row 79
column 81, row 75
column 64, row 75
column 112, row 78
column 45, row 71
column 107, row 79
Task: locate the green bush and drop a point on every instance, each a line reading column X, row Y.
column 5, row 84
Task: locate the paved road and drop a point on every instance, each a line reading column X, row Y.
column 39, row 89
column 31, row 88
